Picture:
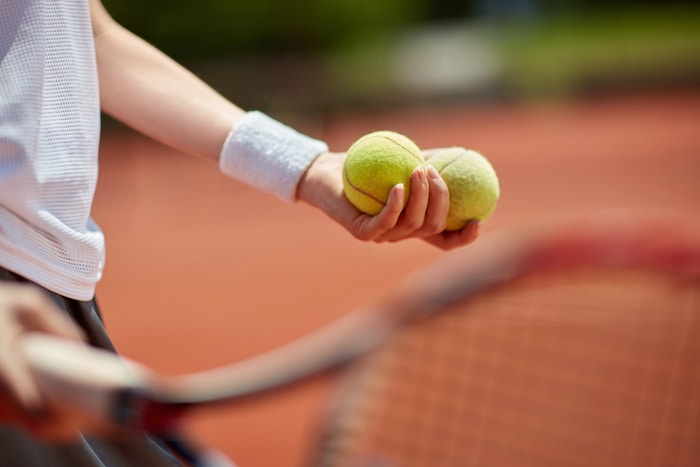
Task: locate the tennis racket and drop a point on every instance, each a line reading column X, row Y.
column 562, row 343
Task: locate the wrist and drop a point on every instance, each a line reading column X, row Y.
column 317, row 183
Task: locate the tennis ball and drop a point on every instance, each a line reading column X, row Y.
column 374, row 164
column 472, row 182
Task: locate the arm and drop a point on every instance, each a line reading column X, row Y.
column 148, row 91
column 143, row 88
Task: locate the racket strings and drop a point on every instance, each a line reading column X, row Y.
column 588, row 368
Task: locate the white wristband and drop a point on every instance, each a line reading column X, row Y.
column 268, row 155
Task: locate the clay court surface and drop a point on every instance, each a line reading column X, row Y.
column 202, row 271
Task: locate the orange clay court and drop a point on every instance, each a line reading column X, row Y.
column 202, row 271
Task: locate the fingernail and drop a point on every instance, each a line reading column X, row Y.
column 419, row 172
column 433, row 173
column 474, row 224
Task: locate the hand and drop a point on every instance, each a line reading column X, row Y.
column 23, row 309
column 424, row 216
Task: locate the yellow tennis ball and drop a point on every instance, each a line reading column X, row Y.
column 374, row 164
column 472, row 182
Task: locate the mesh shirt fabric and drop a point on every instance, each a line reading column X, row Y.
column 49, row 138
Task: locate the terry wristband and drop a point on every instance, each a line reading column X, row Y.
column 268, row 155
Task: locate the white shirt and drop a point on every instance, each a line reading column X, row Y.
column 49, row 138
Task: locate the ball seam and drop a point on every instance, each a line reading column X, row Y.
column 361, row 191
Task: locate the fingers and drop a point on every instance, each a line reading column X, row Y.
column 370, row 228
column 36, row 312
column 42, row 423
column 414, row 214
column 23, row 309
column 16, row 379
column 424, row 216
column 426, row 212
column 456, row 239
column 412, row 217
column 439, row 204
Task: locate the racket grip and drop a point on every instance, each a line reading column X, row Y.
column 84, row 383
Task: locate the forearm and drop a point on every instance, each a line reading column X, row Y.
column 146, row 90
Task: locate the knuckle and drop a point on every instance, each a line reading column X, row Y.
column 434, row 226
column 412, row 225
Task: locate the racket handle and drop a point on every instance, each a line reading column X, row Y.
column 85, row 383
column 105, row 393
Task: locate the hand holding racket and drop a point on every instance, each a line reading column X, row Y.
column 24, row 309
column 561, row 343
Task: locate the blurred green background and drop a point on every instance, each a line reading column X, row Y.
column 327, row 54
